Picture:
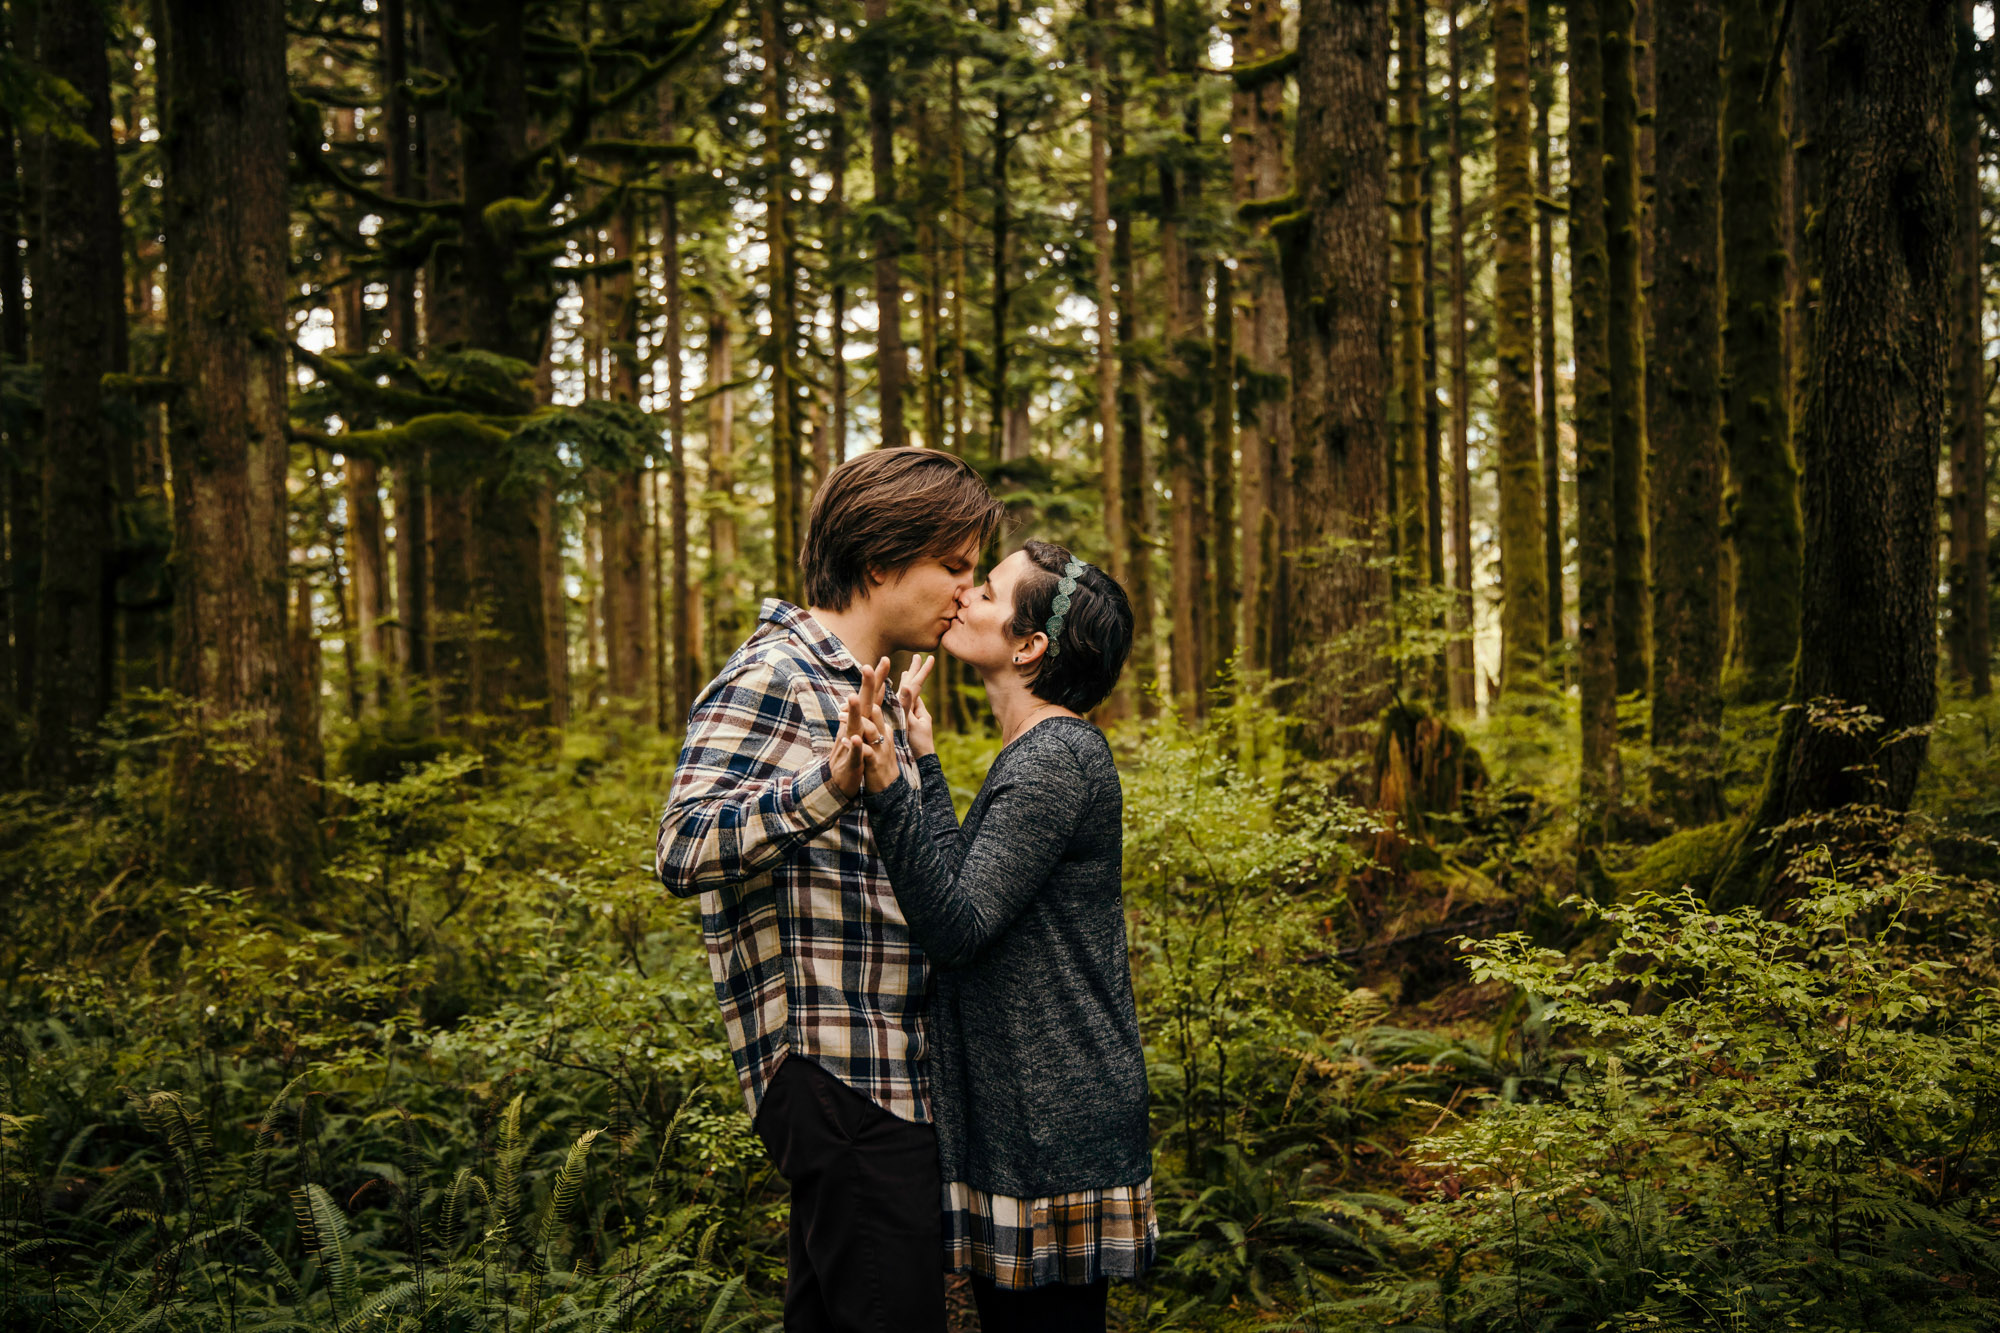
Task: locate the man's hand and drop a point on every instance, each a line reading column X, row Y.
column 916, row 717
column 850, row 754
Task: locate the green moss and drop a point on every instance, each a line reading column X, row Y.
column 1691, row 857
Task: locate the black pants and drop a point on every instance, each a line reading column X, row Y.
column 867, row 1244
column 1059, row 1308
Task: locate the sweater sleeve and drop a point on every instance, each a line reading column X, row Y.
column 940, row 815
column 955, row 911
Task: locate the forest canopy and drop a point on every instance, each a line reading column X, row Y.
column 1545, row 446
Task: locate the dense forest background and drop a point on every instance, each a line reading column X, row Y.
column 1546, row 445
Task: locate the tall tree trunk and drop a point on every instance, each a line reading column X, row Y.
column 687, row 649
column 1464, row 692
column 367, row 554
column 628, row 584
column 727, row 596
column 1968, row 634
column 1101, row 242
column 836, row 246
column 1335, row 252
column 1684, row 416
column 447, row 476
column 20, row 474
column 1590, row 332
column 1874, row 415
column 239, row 816
column 1003, row 144
column 1633, row 622
column 1762, row 505
column 1131, row 427
column 1257, row 157
column 400, row 139
column 892, row 366
column 786, row 500
column 1545, row 316
column 79, row 314
column 1186, row 456
column 1221, row 610
column 507, row 308
column 1524, row 576
column 960, row 221
column 24, row 481
column 1408, row 474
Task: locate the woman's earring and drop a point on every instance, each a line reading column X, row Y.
column 1017, row 659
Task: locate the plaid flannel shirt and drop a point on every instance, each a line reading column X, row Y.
column 805, row 940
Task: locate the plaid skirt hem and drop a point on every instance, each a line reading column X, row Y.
column 1073, row 1238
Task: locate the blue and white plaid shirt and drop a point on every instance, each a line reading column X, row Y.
column 805, row 939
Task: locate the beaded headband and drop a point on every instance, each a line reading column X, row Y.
column 1060, row 607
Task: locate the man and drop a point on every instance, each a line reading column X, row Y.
column 822, row 992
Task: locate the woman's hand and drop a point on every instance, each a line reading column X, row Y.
column 916, row 717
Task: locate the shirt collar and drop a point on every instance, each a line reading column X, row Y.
column 800, row 624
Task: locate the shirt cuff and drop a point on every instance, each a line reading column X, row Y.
column 819, row 797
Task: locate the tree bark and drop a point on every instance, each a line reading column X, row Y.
column 1524, row 575
column 239, row 818
column 1464, row 692
column 1003, row 146
column 892, row 367
column 1131, row 428
column 1762, row 505
column 1335, row 253
column 1684, row 416
column 1596, row 532
column 24, row 482
column 1968, row 633
column 628, row 585
column 728, row 598
column 1258, row 159
column 786, row 501
column 1633, row 623
column 1185, row 460
column 1408, row 475
column 79, row 313
column 681, row 590
column 1101, row 243
column 1543, row 33
column 1224, row 595
column 1875, row 412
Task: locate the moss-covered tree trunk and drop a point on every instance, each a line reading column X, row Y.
column 508, row 301
column 240, row 813
column 1335, row 252
column 785, row 465
column 1543, row 32
column 1684, row 416
column 1968, row 633
column 1762, row 505
column 892, row 366
column 79, row 312
column 1524, row 575
column 1596, row 524
column 678, row 568
column 628, row 585
column 1223, row 592
column 1412, row 544
column 1132, row 478
column 1182, row 387
column 1464, row 693
column 24, row 483
column 1097, row 60
column 1633, row 623
column 1868, row 438
column 1258, row 149
column 728, row 593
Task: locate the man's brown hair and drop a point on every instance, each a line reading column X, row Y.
column 886, row 510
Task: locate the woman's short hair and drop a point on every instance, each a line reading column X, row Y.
column 1096, row 634
column 886, row 510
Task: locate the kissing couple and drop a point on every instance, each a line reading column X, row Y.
column 932, row 1022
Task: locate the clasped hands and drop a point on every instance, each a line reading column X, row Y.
column 865, row 749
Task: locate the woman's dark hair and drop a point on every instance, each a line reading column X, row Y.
column 887, row 509
column 1095, row 637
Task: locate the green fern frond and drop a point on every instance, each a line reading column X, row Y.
column 569, row 1181
column 331, row 1242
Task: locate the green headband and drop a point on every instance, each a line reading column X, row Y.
column 1060, row 607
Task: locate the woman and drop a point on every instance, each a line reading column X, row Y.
column 1038, row 1078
